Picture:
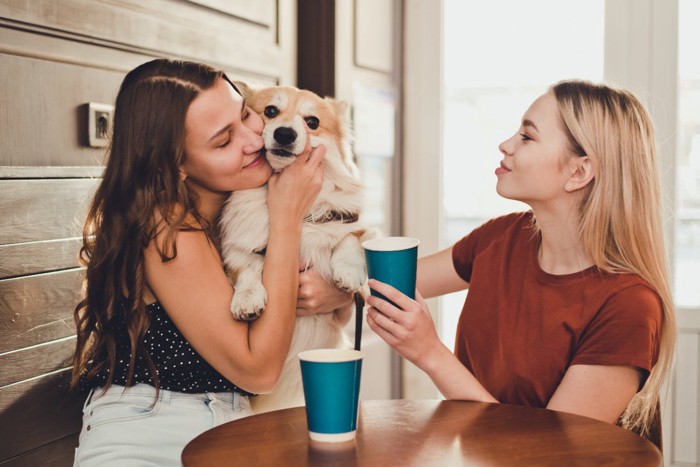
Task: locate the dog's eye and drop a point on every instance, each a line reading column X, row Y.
column 312, row 122
column 271, row 111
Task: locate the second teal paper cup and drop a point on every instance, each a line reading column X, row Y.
column 393, row 260
column 331, row 379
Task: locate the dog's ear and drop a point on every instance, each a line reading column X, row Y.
column 339, row 107
column 245, row 90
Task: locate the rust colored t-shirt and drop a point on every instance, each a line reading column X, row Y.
column 521, row 328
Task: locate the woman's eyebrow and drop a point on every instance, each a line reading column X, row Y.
column 227, row 127
column 220, row 132
column 531, row 124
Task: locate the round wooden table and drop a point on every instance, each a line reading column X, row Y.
column 426, row 433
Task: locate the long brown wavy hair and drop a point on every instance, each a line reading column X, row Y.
column 621, row 223
column 141, row 195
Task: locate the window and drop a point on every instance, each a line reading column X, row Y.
column 687, row 254
column 499, row 56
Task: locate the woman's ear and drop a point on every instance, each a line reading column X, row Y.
column 181, row 172
column 582, row 172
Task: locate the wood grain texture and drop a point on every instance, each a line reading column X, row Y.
column 35, row 210
column 57, row 453
column 48, row 123
column 260, row 12
column 28, row 171
column 35, row 361
column 162, row 28
column 21, row 259
column 38, row 412
column 38, row 309
column 426, row 432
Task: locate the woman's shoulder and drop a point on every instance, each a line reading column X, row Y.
column 620, row 282
column 630, row 285
column 631, row 295
column 509, row 229
column 176, row 224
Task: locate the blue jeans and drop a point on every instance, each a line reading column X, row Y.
column 133, row 428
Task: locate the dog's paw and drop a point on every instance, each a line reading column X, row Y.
column 248, row 304
column 350, row 277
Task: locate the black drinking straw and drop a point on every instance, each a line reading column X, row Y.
column 359, row 306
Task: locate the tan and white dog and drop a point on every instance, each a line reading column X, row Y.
column 331, row 235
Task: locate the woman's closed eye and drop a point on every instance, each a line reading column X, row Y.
column 225, row 143
column 525, row 137
column 245, row 113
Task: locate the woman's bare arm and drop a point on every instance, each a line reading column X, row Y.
column 436, row 275
column 596, row 391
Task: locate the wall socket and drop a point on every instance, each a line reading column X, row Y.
column 99, row 124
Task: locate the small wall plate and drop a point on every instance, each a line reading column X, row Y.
column 100, row 118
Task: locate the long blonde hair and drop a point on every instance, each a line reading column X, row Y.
column 621, row 226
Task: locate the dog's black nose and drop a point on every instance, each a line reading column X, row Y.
column 285, row 135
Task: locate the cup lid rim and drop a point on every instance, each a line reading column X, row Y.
column 390, row 243
column 330, row 355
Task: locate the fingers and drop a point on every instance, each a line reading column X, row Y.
column 316, row 294
column 392, row 294
column 307, row 147
column 382, row 326
column 317, row 155
column 385, row 308
column 396, row 319
column 311, row 157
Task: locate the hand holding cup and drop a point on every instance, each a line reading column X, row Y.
column 393, row 260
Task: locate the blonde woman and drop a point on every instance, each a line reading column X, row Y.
column 569, row 305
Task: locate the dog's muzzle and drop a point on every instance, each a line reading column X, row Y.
column 284, row 137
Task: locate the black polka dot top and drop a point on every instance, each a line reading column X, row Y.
column 180, row 368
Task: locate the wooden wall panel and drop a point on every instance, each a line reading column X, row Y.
column 35, row 210
column 38, row 308
column 35, row 361
column 261, row 12
column 42, row 118
column 37, row 412
column 20, row 259
column 249, row 42
column 57, row 453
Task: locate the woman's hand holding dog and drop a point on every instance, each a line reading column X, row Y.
column 316, row 296
column 292, row 192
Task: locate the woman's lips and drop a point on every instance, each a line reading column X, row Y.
column 502, row 169
column 256, row 161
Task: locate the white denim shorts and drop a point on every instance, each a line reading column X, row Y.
column 130, row 427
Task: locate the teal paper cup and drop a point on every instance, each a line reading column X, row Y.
column 393, row 260
column 331, row 379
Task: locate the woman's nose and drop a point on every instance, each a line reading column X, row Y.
column 253, row 142
column 506, row 147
